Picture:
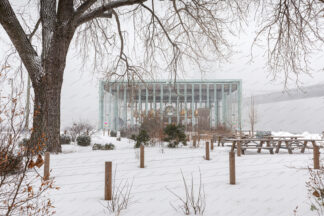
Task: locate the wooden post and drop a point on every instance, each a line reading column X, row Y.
column 232, row 167
column 212, row 144
column 316, row 154
column 194, row 142
column 108, row 180
column 142, row 156
column 47, row 166
column 207, row 151
column 239, row 149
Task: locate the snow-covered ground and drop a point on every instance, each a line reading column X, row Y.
column 266, row 184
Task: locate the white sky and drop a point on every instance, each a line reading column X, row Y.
column 80, row 90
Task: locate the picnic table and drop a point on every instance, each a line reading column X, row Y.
column 290, row 144
column 271, row 143
column 251, row 143
column 284, row 137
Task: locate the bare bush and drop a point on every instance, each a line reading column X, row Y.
column 120, row 197
column 153, row 126
column 22, row 189
column 194, row 202
column 315, row 186
column 80, row 128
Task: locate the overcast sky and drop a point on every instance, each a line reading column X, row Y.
column 80, row 90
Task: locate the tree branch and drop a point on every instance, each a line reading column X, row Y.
column 98, row 12
column 65, row 10
column 34, row 30
column 28, row 55
column 48, row 18
column 83, row 7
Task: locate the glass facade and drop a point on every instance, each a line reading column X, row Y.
column 194, row 104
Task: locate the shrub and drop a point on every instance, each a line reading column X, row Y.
column 9, row 163
column 80, row 128
column 113, row 133
column 172, row 145
column 194, row 201
column 96, row 146
column 28, row 146
column 142, row 137
column 133, row 137
column 84, row 140
column 174, row 135
column 64, row 139
column 109, row 146
column 152, row 125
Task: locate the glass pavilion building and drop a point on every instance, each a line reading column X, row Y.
column 196, row 104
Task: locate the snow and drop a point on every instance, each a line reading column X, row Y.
column 266, row 184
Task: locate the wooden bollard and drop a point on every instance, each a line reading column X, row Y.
column 239, row 149
column 142, row 156
column 316, row 154
column 194, row 142
column 207, row 151
column 108, row 180
column 232, row 167
column 47, row 166
column 212, row 144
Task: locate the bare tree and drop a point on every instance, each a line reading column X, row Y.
column 293, row 31
column 252, row 115
column 133, row 38
column 169, row 33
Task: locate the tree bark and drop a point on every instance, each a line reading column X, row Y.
column 46, row 123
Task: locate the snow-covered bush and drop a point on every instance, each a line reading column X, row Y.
column 96, row 146
column 84, row 140
column 64, row 139
column 107, row 146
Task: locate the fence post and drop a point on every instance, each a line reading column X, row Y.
column 108, row 180
column 142, row 156
column 316, row 154
column 47, row 166
column 207, row 151
column 194, row 141
column 212, row 144
column 232, row 167
column 239, row 149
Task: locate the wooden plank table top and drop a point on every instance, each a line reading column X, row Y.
column 289, row 144
column 249, row 139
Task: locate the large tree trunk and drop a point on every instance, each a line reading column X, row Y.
column 46, row 123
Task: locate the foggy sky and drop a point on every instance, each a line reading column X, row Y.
column 80, row 90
